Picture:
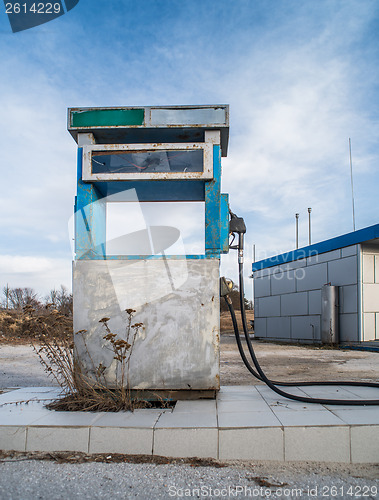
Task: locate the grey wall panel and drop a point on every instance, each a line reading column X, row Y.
column 314, row 277
column 294, row 304
column 343, row 271
column 323, row 257
column 256, row 308
column 296, row 264
column 348, row 328
column 305, row 328
column 260, row 327
column 314, row 302
column 284, row 282
column 300, row 305
column 261, row 287
column 261, row 273
column 348, row 251
column 269, row 306
column 348, row 299
column 278, row 327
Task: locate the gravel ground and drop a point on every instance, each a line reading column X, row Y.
column 20, row 367
column 24, row 478
column 32, row 479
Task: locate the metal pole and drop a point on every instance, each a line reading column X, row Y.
column 352, row 185
column 309, row 226
column 297, row 230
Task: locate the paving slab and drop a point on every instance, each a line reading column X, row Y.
column 242, row 423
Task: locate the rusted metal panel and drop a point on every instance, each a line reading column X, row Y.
column 200, row 116
column 204, row 116
column 125, row 124
column 107, row 117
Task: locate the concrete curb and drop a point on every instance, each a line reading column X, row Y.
column 243, row 423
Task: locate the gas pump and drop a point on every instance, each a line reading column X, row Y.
column 146, row 174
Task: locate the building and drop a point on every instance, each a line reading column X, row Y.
column 287, row 289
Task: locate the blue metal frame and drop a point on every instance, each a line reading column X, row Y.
column 213, row 208
column 152, row 190
column 224, row 220
column 362, row 235
column 90, row 219
column 90, row 211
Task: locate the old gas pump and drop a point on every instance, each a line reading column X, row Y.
column 145, row 175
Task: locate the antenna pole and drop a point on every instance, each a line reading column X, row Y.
column 309, row 226
column 297, row 231
column 352, row 185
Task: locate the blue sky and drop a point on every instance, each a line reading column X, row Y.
column 301, row 77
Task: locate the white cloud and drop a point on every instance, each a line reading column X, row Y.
column 299, row 83
column 40, row 273
column 294, row 116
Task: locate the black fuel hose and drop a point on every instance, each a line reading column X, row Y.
column 273, row 384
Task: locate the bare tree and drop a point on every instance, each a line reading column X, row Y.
column 60, row 299
column 5, row 301
column 235, row 297
column 18, row 298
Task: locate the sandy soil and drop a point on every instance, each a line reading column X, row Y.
column 292, row 363
column 20, row 367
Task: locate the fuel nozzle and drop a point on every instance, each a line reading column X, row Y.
column 226, row 286
column 237, row 226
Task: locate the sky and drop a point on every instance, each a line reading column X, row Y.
column 300, row 76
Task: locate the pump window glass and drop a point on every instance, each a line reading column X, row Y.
column 121, row 162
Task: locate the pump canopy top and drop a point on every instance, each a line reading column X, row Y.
column 149, row 124
column 129, row 157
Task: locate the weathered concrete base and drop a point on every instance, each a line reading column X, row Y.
column 159, row 395
column 178, row 303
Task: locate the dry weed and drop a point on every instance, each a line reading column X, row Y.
column 80, row 393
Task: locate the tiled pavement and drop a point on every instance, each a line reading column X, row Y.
column 245, row 422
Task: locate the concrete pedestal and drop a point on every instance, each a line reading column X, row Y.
column 177, row 300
